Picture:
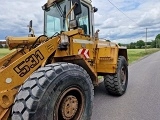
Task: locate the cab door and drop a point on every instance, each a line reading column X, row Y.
column 83, row 44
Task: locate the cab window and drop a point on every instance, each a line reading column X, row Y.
column 83, row 19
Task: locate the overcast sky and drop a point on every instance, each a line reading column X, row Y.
column 113, row 24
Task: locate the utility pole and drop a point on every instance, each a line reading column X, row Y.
column 146, row 41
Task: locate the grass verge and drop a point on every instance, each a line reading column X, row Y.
column 4, row 51
column 135, row 54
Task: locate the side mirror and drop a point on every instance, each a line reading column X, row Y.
column 31, row 29
column 30, row 26
column 95, row 9
column 77, row 9
column 49, row 3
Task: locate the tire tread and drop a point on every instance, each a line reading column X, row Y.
column 112, row 83
column 35, row 86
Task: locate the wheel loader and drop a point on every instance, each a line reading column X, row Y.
column 52, row 76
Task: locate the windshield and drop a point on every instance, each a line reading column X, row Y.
column 55, row 18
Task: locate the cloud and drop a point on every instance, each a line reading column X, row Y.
column 143, row 14
column 98, row 19
column 150, row 18
column 129, row 5
column 15, row 16
column 113, row 25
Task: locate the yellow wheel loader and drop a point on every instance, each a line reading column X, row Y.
column 52, row 77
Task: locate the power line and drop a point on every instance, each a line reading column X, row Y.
column 122, row 12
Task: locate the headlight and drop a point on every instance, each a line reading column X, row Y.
column 64, row 38
column 64, row 42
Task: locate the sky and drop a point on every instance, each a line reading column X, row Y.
column 126, row 24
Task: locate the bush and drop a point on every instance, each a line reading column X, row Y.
column 1, row 46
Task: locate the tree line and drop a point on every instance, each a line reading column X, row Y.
column 140, row 44
column 3, row 45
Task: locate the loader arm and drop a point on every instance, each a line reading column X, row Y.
column 13, row 75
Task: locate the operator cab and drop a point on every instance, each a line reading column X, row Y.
column 59, row 16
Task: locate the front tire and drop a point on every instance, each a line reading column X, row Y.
column 55, row 92
column 116, row 84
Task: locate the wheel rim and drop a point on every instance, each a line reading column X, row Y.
column 69, row 105
column 123, row 76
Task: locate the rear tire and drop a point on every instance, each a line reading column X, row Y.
column 116, row 84
column 55, row 92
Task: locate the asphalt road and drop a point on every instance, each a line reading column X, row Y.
column 142, row 99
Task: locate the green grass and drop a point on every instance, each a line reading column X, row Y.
column 135, row 54
column 4, row 51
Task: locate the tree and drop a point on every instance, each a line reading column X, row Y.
column 132, row 45
column 157, row 40
column 119, row 44
column 1, row 46
column 5, row 46
column 140, row 43
column 158, row 36
column 153, row 44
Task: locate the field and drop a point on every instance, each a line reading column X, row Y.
column 3, row 52
column 133, row 54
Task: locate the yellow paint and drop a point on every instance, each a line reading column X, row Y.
column 17, row 66
column 102, row 59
